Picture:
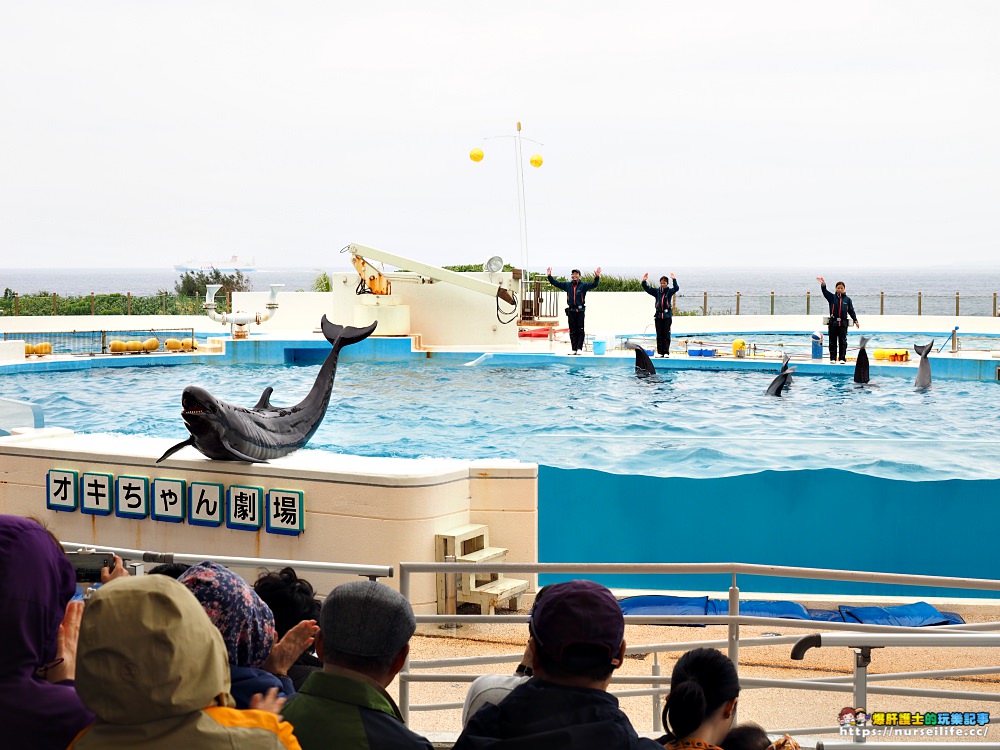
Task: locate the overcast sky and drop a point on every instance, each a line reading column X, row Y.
column 676, row 133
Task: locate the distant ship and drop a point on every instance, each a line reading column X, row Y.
column 226, row 266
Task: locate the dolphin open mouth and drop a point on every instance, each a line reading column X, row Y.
column 191, row 405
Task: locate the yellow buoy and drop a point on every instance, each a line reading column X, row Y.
column 151, row 344
column 535, row 160
column 133, row 346
column 739, row 345
column 28, row 350
column 117, row 347
column 43, row 348
column 476, row 154
column 188, row 344
column 172, row 345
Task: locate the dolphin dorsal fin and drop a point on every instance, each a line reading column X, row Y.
column 265, row 399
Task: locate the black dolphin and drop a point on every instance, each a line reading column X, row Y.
column 783, row 378
column 234, row 433
column 861, row 368
column 643, row 364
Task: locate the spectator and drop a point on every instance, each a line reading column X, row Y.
column 748, row 736
column 38, row 630
column 577, row 641
column 154, row 670
column 365, row 631
column 292, row 600
column 256, row 663
column 700, row 707
column 174, row 570
column 490, row 689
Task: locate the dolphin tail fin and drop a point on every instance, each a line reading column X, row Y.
column 864, row 341
column 172, row 450
column 923, row 350
column 341, row 336
column 784, row 362
column 861, row 370
column 643, row 364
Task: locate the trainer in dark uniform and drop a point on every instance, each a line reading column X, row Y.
column 841, row 308
column 576, row 299
column 664, row 314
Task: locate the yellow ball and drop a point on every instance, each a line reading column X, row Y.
column 43, row 348
column 476, row 154
column 28, row 350
column 188, row 344
column 535, row 160
column 172, row 345
column 117, row 347
column 151, row 344
column 133, row 346
column 739, row 345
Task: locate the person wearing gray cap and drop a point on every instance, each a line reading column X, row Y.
column 364, row 639
column 577, row 641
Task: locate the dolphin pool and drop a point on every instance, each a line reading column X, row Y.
column 687, row 465
column 680, row 423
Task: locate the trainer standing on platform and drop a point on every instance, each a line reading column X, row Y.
column 664, row 316
column 576, row 297
column 841, row 308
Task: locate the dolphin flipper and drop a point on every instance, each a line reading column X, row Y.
column 643, row 364
column 171, row 451
column 265, row 399
column 861, row 368
column 341, row 336
column 239, row 456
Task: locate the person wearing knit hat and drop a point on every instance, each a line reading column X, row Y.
column 364, row 639
column 577, row 640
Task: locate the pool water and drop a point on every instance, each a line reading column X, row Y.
column 679, row 423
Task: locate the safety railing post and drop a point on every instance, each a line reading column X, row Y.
column 91, row 303
column 862, row 658
column 128, row 303
column 657, row 719
column 956, row 304
column 734, row 627
column 704, row 303
column 738, row 304
column 920, row 302
column 881, row 303
column 55, row 309
column 404, row 673
column 808, row 301
column 772, row 303
column 15, row 303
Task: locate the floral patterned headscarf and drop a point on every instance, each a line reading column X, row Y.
column 246, row 623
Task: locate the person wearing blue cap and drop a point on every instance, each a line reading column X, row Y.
column 577, row 640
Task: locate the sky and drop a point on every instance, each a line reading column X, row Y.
column 673, row 133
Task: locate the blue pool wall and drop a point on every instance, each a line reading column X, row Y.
column 817, row 518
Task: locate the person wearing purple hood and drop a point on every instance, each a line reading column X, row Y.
column 256, row 662
column 38, row 700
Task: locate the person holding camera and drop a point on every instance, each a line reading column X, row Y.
column 576, row 298
column 841, row 308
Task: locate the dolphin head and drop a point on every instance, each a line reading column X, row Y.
column 205, row 418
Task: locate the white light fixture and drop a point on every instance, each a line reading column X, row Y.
column 494, row 264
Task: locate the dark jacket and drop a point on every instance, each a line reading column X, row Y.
column 36, row 583
column 663, row 307
column 840, row 307
column 248, row 681
column 576, row 291
column 544, row 716
column 336, row 711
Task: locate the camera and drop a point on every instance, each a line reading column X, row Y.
column 88, row 565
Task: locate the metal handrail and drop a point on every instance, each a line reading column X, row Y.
column 960, row 634
column 370, row 571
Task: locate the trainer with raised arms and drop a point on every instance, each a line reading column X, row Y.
column 576, row 299
column 841, row 308
column 664, row 312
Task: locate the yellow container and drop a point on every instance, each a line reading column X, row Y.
column 151, row 345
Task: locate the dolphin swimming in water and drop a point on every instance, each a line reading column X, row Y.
column 643, row 364
column 782, row 379
column 861, row 374
column 924, row 368
column 234, row 433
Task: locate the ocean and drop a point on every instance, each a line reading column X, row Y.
column 749, row 281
